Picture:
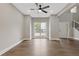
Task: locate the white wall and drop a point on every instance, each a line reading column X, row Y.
column 61, row 26
column 64, row 29
column 76, row 34
column 54, row 27
column 27, row 28
column 65, row 22
column 11, row 24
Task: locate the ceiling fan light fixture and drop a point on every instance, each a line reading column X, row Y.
column 39, row 10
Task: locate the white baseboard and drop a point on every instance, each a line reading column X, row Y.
column 65, row 37
column 7, row 49
column 76, row 38
column 54, row 39
column 62, row 37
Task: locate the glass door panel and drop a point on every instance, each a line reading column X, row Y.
column 43, row 30
column 36, row 31
column 40, row 30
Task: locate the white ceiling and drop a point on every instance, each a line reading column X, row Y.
column 53, row 9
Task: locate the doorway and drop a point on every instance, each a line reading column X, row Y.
column 40, row 29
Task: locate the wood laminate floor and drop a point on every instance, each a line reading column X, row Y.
column 43, row 47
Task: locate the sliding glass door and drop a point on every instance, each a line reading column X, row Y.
column 40, row 29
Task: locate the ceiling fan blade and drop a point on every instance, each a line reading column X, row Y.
column 32, row 9
column 36, row 4
column 44, row 11
column 45, row 7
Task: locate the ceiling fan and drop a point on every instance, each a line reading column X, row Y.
column 40, row 8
